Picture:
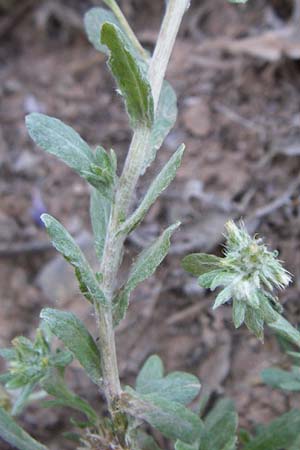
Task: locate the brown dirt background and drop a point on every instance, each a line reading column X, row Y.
column 240, row 120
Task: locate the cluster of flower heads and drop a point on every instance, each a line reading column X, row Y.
column 248, row 274
column 30, row 361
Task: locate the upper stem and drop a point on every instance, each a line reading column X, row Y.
column 113, row 249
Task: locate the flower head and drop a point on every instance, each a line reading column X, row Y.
column 247, row 274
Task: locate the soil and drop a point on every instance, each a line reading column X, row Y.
column 239, row 118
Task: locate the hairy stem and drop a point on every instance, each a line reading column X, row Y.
column 113, row 249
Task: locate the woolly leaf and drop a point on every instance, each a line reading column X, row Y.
column 179, row 387
column 129, row 75
column 56, row 387
column 60, row 140
column 143, row 268
column 159, row 184
column 199, row 263
column 14, row 435
column 282, row 379
column 220, row 428
column 65, row 244
column 73, row 333
column 152, row 368
column 172, row 419
column 238, row 312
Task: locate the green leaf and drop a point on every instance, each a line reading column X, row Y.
column 220, row 428
column 199, row 263
column 179, row 445
column 72, row 332
column 179, row 387
column 159, row 184
column 129, row 75
column 206, row 279
column 153, row 369
column 278, row 323
column 143, row 268
column 22, row 399
column 100, row 208
column 93, row 22
column 14, row 435
column 279, row 434
column 66, row 144
column 255, row 322
column 54, row 385
column 60, row 140
column 165, row 118
column 238, row 312
column 295, row 445
column 223, row 297
column 282, row 379
column 65, row 244
column 8, row 353
column 172, row 419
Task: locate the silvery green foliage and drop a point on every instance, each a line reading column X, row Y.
column 13, row 434
column 72, row 332
column 248, row 275
column 160, row 400
column 218, row 430
column 144, row 266
column 130, row 77
column 34, row 366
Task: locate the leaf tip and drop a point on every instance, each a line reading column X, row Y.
column 45, row 218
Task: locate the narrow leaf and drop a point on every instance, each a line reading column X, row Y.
column 60, row 140
column 165, row 118
column 199, row 263
column 223, row 297
column 14, row 435
column 72, row 332
column 179, row 387
column 159, row 184
column 220, row 428
column 255, row 322
column 143, row 268
column 150, row 258
column 65, row 244
column 172, row 419
column 129, row 75
column 55, row 386
column 100, row 208
column 238, row 312
column 22, row 399
column 282, row 379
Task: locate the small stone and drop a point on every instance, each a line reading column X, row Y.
column 197, row 117
column 26, row 164
column 8, row 228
